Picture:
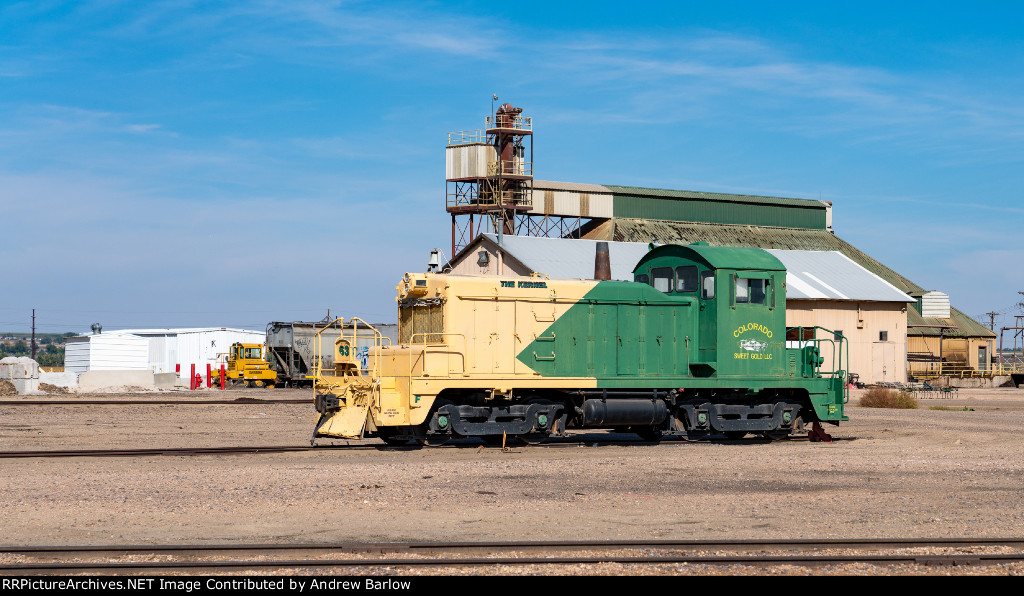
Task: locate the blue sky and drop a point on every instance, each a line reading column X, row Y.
column 167, row 164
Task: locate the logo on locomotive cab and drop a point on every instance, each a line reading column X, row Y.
column 752, row 345
column 750, row 348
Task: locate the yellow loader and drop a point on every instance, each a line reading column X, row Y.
column 246, row 366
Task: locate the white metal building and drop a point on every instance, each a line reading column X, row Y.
column 106, row 351
column 158, row 350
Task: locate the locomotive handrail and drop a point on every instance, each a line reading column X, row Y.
column 378, row 341
column 426, row 347
column 511, row 298
column 318, row 349
column 837, row 353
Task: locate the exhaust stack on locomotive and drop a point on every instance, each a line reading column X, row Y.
column 602, row 262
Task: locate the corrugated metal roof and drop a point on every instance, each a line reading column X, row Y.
column 183, row 330
column 831, row 275
column 810, row 274
column 638, row 230
column 561, row 258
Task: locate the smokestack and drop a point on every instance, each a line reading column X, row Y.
column 602, row 263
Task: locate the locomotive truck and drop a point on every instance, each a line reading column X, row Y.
column 695, row 346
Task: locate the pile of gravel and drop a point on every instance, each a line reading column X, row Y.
column 7, row 388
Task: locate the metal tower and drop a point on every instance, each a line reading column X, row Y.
column 489, row 176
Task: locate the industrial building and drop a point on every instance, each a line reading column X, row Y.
column 491, row 189
column 155, row 350
column 825, row 289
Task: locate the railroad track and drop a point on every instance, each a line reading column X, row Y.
column 172, row 451
column 553, row 443
column 240, row 401
column 392, row 557
column 582, row 440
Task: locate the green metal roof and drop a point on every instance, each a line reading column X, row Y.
column 664, row 232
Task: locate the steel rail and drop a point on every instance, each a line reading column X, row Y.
column 756, row 558
column 789, row 543
column 551, row 443
column 240, row 401
column 170, row 451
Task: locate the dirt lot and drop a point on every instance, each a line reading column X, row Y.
column 890, row 473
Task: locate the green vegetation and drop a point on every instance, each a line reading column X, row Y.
column 880, row 397
column 49, row 346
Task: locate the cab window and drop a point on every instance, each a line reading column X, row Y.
column 662, row 279
column 751, row 291
column 643, row 278
column 252, row 352
column 707, row 285
column 686, row 278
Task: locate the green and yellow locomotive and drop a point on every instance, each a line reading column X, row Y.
column 695, row 346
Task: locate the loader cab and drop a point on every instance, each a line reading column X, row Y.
column 241, row 351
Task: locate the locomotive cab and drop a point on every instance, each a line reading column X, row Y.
column 740, row 339
column 741, row 304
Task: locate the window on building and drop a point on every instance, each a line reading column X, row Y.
column 662, row 279
column 686, row 278
column 883, row 336
column 800, row 334
column 837, row 335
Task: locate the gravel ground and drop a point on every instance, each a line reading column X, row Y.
column 952, row 472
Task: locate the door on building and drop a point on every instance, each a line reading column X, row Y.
column 883, row 363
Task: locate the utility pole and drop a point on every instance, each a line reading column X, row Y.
column 33, row 334
column 992, row 320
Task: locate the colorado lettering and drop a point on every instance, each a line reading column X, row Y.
column 752, row 327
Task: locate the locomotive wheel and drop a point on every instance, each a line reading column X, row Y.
column 425, row 437
column 539, row 437
column 647, row 433
column 514, row 440
column 388, row 434
column 531, row 438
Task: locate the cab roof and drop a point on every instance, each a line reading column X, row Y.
column 717, row 257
